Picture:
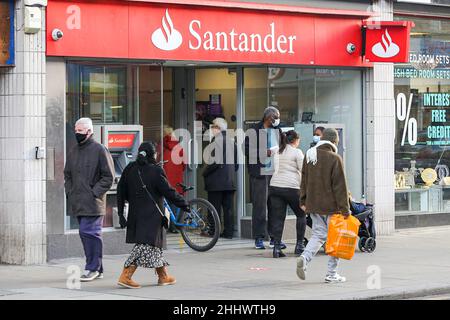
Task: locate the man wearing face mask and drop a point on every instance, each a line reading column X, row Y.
column 318, row 133
column 88, row 175
column 261, row 143
column 323, row 192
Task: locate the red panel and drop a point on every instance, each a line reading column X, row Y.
column 205, row 26
column 90, row 29
column 164, row 32
column 120, row 140
column 332, row 37
column 388, row 41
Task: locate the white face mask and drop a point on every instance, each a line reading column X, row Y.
column 316, row 139
column 276, row 123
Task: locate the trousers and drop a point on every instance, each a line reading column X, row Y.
column 91, row 237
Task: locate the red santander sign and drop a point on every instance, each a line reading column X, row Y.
column 139, row 30
column 120, row 140
column 387, row 41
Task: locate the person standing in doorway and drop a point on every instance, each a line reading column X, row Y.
column 318, row 133
column 261, row 143
column 143, row 185
column 284, row 190
column 323, row 193
column 88, row 175
column 220, row 175
column 174, row 164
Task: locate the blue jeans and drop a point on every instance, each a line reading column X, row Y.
column 318, row 238
column 91, row 236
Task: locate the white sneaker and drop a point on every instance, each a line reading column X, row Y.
column 100, row 275
column 301, row 268
column 89, row 276
column 334, row 278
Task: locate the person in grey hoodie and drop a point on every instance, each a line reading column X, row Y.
column 88, row 175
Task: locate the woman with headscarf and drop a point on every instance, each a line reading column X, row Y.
column 143, row 184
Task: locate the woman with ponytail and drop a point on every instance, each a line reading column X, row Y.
column 143, row 184
column 284, row 190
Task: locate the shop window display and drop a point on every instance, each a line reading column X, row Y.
column 422, row 146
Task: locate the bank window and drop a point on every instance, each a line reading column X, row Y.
column 101, row 92
column 422, row 146
column 308, row 98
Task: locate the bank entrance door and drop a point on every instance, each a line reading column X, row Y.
column 200, row 96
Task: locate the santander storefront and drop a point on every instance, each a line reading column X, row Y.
column 180, row 64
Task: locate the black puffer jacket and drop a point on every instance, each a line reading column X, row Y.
column 88, row 175
column 144, row 220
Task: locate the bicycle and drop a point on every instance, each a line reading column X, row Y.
column 200, row 228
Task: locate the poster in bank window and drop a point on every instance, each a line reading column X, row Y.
column 6, row 33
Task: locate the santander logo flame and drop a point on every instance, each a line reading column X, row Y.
column 167, row 38
column 386, row 48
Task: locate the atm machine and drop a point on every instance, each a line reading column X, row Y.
column 123, row 142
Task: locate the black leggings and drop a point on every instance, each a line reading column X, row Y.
column 279, row 199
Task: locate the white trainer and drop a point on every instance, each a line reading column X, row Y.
column 334, row 278
column 301, row 267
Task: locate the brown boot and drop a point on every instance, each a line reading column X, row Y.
column 125, row 278
column 164, row 278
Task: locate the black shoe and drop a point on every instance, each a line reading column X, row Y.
column 277, row 253
column 299, row 248
column 226, row 236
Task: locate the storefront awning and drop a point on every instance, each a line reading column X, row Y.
column 264, row 7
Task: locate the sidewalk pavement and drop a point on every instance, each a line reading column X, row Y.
column 411, row 263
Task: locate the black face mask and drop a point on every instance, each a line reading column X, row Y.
column 80, row 137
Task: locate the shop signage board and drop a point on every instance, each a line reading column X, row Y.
column 387, row 41
column 139, row 30
column 180, row 32
column 6, row 33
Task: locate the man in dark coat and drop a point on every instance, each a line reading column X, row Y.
column 88, row 175
column 220, row 175
column 261, row 143
column 323, row 192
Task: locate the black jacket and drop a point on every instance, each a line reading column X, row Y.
column 88, row 175
column 221, row 175
column 256, row 157
column 144, row 220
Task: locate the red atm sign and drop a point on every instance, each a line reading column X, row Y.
column 120, row 140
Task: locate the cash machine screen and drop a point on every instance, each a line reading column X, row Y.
column 122, row 145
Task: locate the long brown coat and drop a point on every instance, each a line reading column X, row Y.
column 324, row 186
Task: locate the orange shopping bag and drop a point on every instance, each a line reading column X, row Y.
column 342, row 236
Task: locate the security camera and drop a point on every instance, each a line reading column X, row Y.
column 57, row 34
column 351, row 48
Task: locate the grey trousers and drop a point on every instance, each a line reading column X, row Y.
column 259, row 191
column 318, row 238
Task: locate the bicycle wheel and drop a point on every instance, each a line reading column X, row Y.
column 203, row 228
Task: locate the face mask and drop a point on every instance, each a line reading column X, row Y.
column 276, row 122
column 316, row 139
column 80, row 137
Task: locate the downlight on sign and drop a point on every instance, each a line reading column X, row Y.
column 387, row 41
column 139, row 30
